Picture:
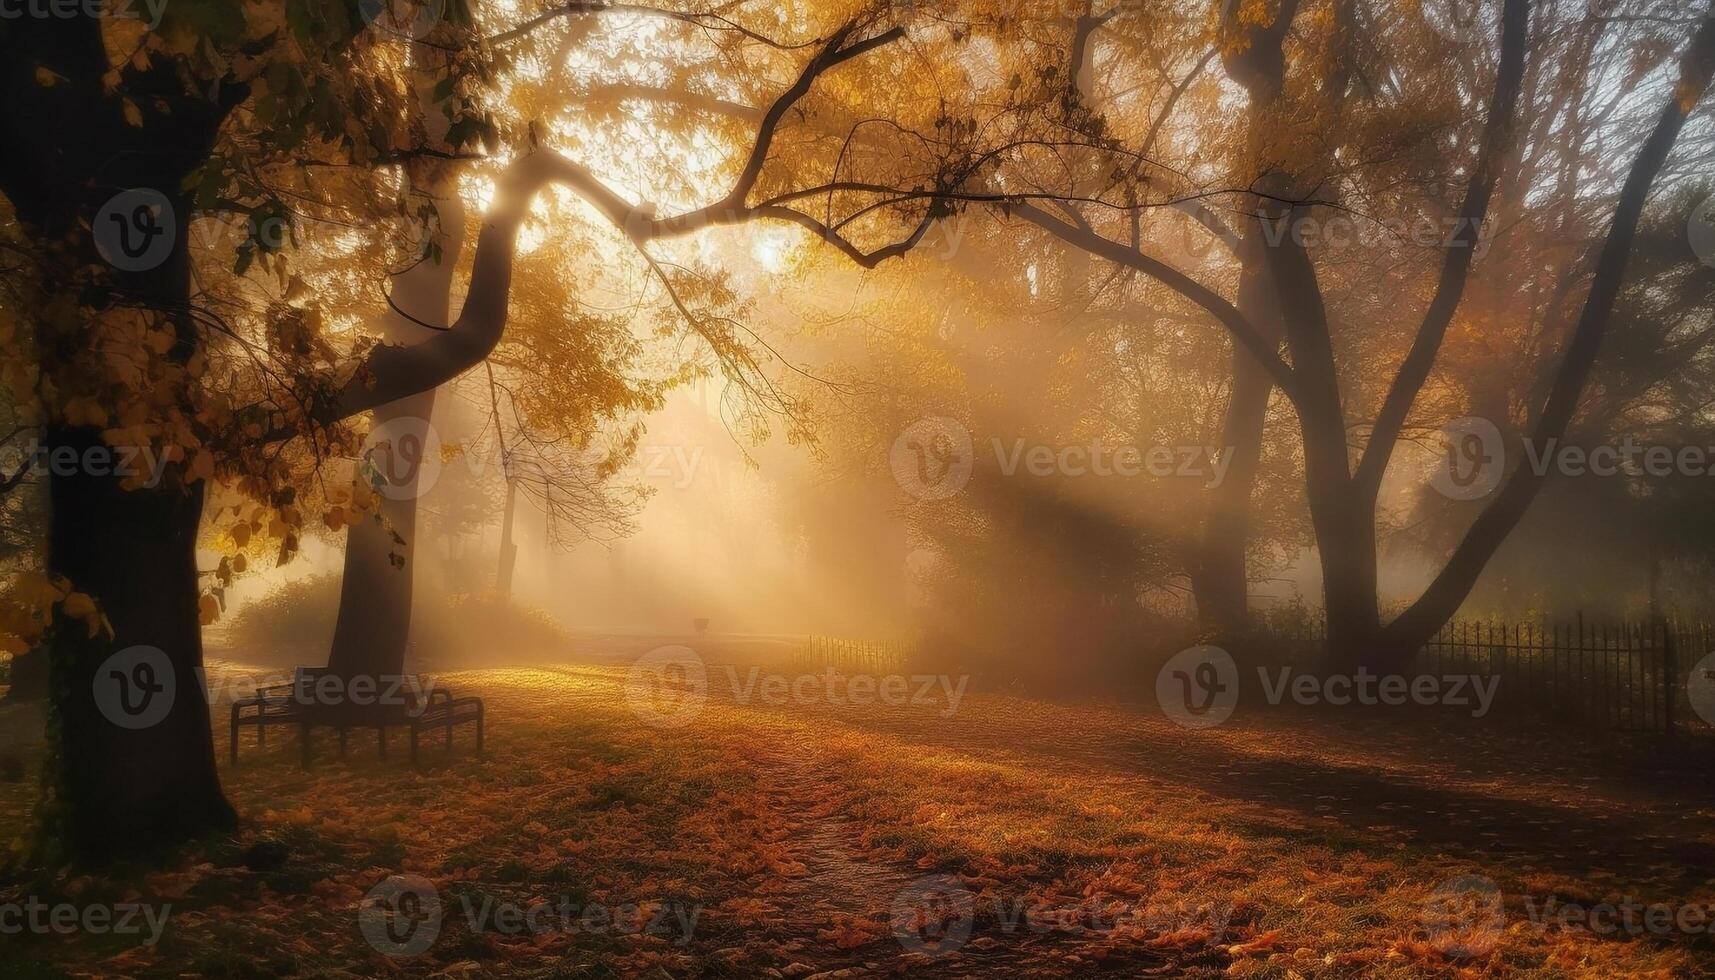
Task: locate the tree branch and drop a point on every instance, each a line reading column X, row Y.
column 1243, row 331
column 1450, row 587
column 1456, row 267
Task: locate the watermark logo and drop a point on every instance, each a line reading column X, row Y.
column 673, row 922
column 123, row 919
column 1700, row 689
column 667, row 686
column 1208, row 464
column 411, row 19
column 933, row 915
column 147, row 11
column 135, row 687
column 1459, row 21
column 932, row 459
column 1464, row 917
column 135, row 230
column 401, row 459
column 142, row 464
column 401, row 916
column 1472, row 460
column 1199, row 687
column 1701, row 232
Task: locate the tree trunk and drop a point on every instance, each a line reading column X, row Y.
column 113, row 787
column 118, row 778
column 508, row 549
column 1222, row 579
column 374, row 625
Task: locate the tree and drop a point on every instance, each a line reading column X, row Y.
column 1343, row 498
column 271, row 109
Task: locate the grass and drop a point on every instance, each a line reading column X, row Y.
column 789, row 841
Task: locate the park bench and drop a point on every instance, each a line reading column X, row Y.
column 295, row 705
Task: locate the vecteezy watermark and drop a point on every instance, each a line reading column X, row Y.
column 406, row 18
column 140, row 463
column 1700, row 230
column 401, row 916
column 1199, row 688
column 1095, row 458
column 674, row 921
column 33, row 915
column 934, row 458
column 1459, row 21
column 401, row 458
column 1627, row 915
column 1700, row 689
column 1474, row 459
column 935, row 915
column 1341, row 230
column 1464, row 917
column 668, row 687
column 405, row 458
column 136, row 687
column 135, row 230
column 71, row 9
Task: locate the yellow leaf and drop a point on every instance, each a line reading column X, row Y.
column 133, row 115
column 80, row 605
column 240, row 533
column 45, row 78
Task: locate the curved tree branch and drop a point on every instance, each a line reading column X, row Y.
column 1443, row 596
column 1243, row 331
column 1456, row 268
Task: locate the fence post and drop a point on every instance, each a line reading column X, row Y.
column 1669, row 680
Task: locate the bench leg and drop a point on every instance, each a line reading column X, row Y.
column 235, row 734
column 381, row 737
column 449, row 731
column 413, row 743
column 304, row 743
column 261, row 734
column 342, row 741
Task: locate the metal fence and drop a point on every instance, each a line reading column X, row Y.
column 844, row 654
column 1618, row 677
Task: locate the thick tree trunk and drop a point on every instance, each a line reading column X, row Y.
column 374, row 625
column 120, row 780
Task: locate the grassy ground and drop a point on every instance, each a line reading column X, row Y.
column 1013, row 837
